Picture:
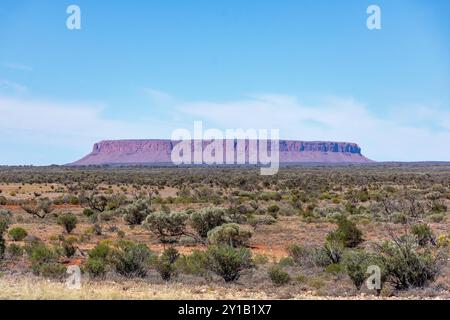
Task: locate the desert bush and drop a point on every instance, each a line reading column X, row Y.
column 408, row 265
column 4, row 224
column 167, row 226
column 194, row 263
column 88, row 212
column 347, row 233
column 356, row 263
column 98, row 260
column 131, row 259
column 330, row 253
column 258, row 220
column 38, row 208
column 44, row 261
column 136, row 212
column 171, row 254
column 436, row 217
column 14, row 250
column 278, row 276
column 68, row 221
column 68, row 248
column 260, row 259
column 207, row 219
column 301, row 255
column 18, row 233
column 273, row 209
column 228, row 262
column 423, row 234
column 229, row 234
column 165, row 264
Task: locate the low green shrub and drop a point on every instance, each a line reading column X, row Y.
column 228, row 262
column 229, row 234
column 423, row 234
column 18, row 233
column 194, row 263
column 68, row 221
column 278, row 276
column 14, row 250
column 207, row 219
column 136, row 212
column 347, row 233
column 408, row 265
column 98, row 260
column 131, row 259
column 356, row 263
column 44, row 261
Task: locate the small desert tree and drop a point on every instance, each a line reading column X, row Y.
column 207, row 219
column 229, row 234
column 136, row 212
column 38, row 207
column 68, row 221
column 167, row 226
column 228, row 262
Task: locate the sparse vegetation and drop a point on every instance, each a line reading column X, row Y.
column 312, row 229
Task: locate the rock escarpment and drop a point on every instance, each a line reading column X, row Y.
column 122, row 152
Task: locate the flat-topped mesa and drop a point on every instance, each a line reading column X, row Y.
column 157, row 151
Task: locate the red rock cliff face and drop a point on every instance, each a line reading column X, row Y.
column 159, row 151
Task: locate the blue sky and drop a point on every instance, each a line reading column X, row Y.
column 142, row 69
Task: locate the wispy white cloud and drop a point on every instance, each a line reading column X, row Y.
column 12, row 87
column 17, row 66
column 54, row 125
column 393, row 137
column 159, row 97
column 71, row 127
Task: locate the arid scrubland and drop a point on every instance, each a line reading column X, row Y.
column 217, row 233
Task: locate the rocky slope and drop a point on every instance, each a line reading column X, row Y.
column 159, row 152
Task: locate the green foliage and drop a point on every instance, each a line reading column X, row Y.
column 44, row 260
column 228, row 262
column 136, row 212
column 286, row 262
column 335, row 269
column 68, row 248
column 131, row 259
column 356, row 263
column 68, row 221
column 229, row 234
column 207, row 219
column 88, row 212
column 300, row 254
column 4, row 224
column 273, row 209
column 194, row 263
column 14, row 250
column 347, row 233
column 18, row 233
column 165, row 265
column 423, row 234
column 278, row 276
column 98, row 258
column 264, row 219
column 330, row 253
column 170, row 254
column 407, row 265
column 167, row 226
